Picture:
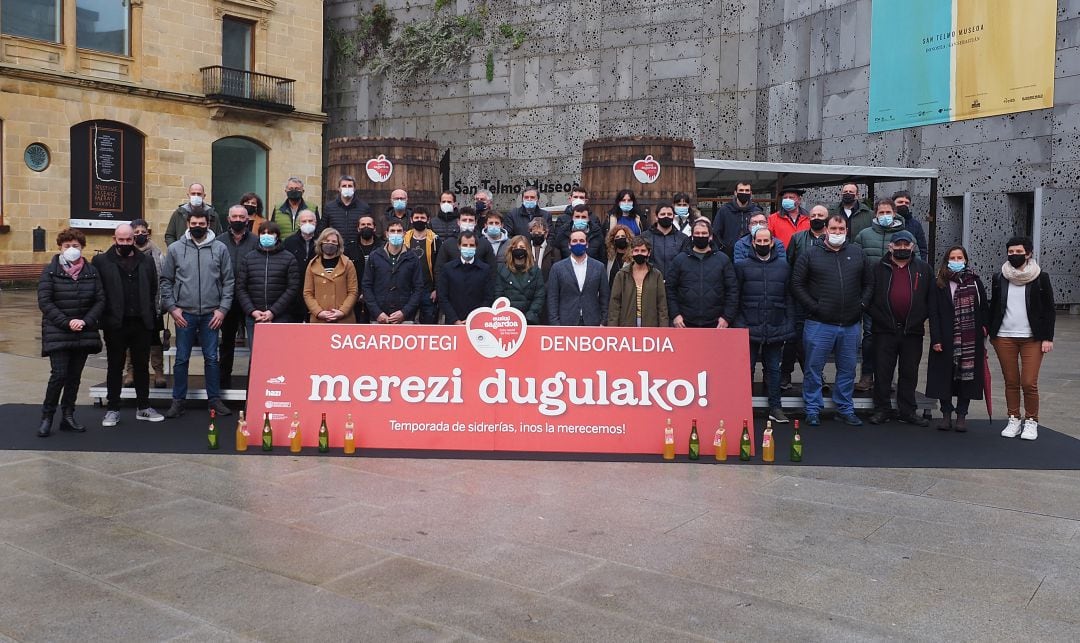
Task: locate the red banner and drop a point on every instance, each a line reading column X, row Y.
column 498, row 384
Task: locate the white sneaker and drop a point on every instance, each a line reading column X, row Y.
column 149, row 415
column 112, row 418
column 1031, row 429
column 1012, row 429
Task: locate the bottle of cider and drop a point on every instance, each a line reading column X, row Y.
column 350, row 435
column 294, row 433
column 267, row 434
column 720, row 443
column 796, row 445
column 212, row 434
column 324, row 436
column 695, row 443
column 768, row 446
column 669, row 441
column 241, row 433
column 744, row 443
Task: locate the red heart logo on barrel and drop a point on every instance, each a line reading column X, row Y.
column 379, row 169
column 647, row 170
column 497, row 331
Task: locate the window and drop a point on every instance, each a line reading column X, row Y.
column 238, row 165
column 103, row 25
column 38, row 19
column 237, row 39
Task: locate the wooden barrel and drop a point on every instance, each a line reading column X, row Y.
column 413, row 166
column 608, row 165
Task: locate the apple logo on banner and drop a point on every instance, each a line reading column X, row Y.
column 647, row 170
column 497, row 331
column 379, row 169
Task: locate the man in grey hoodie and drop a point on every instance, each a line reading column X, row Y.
column 197, row 290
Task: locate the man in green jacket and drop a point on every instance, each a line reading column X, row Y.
column 285, row 214
column 196, row 203
column 858, row 213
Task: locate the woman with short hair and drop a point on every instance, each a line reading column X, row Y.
column 330, row 285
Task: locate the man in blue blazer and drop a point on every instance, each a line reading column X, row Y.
column 577, row 289
column 465, row 284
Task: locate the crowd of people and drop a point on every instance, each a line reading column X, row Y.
column 808, row 284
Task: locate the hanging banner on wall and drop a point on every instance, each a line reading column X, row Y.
column 498, row 384
column 937, row 61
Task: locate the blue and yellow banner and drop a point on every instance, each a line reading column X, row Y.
column 936, row 61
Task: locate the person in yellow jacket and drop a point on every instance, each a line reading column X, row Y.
column 424, row 243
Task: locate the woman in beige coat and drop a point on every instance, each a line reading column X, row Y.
column 330, row 285
column 638, row 296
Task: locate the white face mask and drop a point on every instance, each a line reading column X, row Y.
column 837, row 240
column 71, row 255
column 466, row 227
column 446, row 208
column 195, row 200
column 348, row 192
column 577, row 202
column 307, row 228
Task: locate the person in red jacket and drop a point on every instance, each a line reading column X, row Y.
column 790, row 218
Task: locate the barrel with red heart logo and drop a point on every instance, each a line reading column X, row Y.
column 654, row 167
column 382, row 165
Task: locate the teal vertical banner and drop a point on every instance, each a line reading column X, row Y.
column 910, row 63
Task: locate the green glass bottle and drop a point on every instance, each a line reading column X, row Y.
column 324, row 436
column 212, row 434
column 268, row 434
column 695, row 443
column 744, row 443
column 796, row 445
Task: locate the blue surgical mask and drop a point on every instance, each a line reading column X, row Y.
column 267, row 240
column 530, row 204
column 468, row 253
column 626, row 207
column 396, row 238
column 578, row 249
column 957, row 266
column 399, row 204
column 682, row 210
column 581, row 224
column 494, row 231
column 885, row 220
column 787, row 204
column 754, row 228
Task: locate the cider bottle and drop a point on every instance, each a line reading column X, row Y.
column 350, row 436
column 695, row 443
column 768, row 447
column 241, row 433
column 796, row 445
column 744, row 443
column 294, row 433
column 267, row 434
column 669, row 441
column 720, row 443
column 324, row 436
column 212, row 434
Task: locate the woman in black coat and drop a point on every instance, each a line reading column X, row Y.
column 959, row 320
column 72, row 300
column 267, row 280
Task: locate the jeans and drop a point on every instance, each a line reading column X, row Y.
column 770, row 359
column 65, row 376
column 208, row 340
column 1020, row 360
column 820, row 340
column 891, row 348
column 429, row 310
column 961, row 407
column 133, row 336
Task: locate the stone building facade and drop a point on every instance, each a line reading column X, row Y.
column 762, row 80
column 140, row 74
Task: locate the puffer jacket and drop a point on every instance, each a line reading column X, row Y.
column 268, row 279
column 444, row 224
column 765, row 304
column 665, row 247
column 833, row 287
column 525, row 290
column 518, row 220
column 875, row 239
column 61, row 299
column 920, row 278
column 702, row 288
column 744, row 249
column 389, row 288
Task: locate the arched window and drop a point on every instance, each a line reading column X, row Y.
column 238, row 166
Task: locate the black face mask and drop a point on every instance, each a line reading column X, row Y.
column 367, row 234
column 847, row 199
column 142, row 239
column 294, row 195
column 640, row 259
column 762, row 251
column 743, row 199
column 664, row 222
column 1017, row 260
column 519, row 253
column 817, row 225
column 902, row 253
column 903, row 210
column 419, row 226
column 197, row 233
column 538, row 239
column 621, row 244
column 125, row 251
column 701, row 242
column 252, row 209
column 238, row 226
column 480, row 207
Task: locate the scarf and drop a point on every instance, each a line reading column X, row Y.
column 72, row 269
column 1023, row 275
column 965, row 302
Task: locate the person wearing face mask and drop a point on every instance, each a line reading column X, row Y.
column 368, row 241
column 465, row 284
column 424, row 243
column 765, row 309
column 254, row 205
column 543, row 252
column 287, row 214
column 330, row 286
column 267, row 281
column 399, row 209
column 393, row 280
column 448, row 248
column 578, row 292
column 197, row 288
column 733, row 218
column 857, row 213
column 445, row 222
column 685, row 213
column 618, row 250
column 790, row 218
column 665, row 239
column 130, row 320
column 301, row 244
column 625, row 212
column 959, row 322
column 578, row 196
column 899, row 310
column 196, row 202
column 581, row 219
column 800, row 243
column 638, row 294
column 902, row 201
column 517, row 220
column 71, row 298
column 519, row 280
column 701, row 286
column 832, row 282
column 239, row 241
column 744, row 247
column 495, row 234
column 1022, row 320
column 344, row 212
column 141, row 234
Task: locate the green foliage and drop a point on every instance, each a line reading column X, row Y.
column 358, row 47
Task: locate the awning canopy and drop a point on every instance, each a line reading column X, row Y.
column 717, row 177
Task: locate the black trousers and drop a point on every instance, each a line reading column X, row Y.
column 133, row 336
column 65, row 376
column 793, row 351
column 891, row 349
column 233, row 322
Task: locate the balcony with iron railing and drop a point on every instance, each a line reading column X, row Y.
column 247, row 88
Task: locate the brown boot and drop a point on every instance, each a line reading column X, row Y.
column 961, row 424
column 945, row 423
column 157, row 363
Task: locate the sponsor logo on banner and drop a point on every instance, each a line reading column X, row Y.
column 497, row 331
column 647, row 170
column 379, row 169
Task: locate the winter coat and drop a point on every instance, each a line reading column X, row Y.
column 940, row 379
column 622, row 311
column 702, row 287
column 237, row 251
column 518, row 220
column 800, row 242
column 268, row 279
column 178, row 222
column 861, row 216
column 62, row 299
column 731, row 222
column 765, row 304
column 343, row 218
column 833, row 286
column 197, row 278
column 744, row 249
column 389, row 288
column 304, row 251
column 463, row 288
column 782, row 228
column 339, row 289
column 920, row 278
column 283, row 216
column 875, row 239
column 525, row 290
column 595, row 239
column 112, row 280
column 665, row 247
column 449, row 253
column 159, row 260
column 1039, row 295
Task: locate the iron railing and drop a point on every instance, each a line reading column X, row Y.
column 248, row 88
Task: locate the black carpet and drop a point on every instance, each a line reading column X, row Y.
column 832, row 444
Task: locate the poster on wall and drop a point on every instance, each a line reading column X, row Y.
column 106, row 174
column 938, row 61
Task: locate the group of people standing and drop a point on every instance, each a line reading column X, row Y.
column 806, row 283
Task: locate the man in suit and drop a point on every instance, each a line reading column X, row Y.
column 464, row 284
column 578, row 292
